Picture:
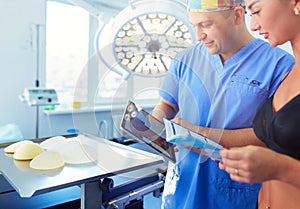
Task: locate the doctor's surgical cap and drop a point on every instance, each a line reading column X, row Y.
column 212, row 5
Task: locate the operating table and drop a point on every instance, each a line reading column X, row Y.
column 117, row 183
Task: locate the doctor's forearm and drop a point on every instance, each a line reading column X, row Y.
column 232, row 138
column 226, row 137
column 164, row 109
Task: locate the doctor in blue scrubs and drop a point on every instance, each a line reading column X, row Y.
column 217, row 84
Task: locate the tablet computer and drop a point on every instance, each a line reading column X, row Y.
column 143, row 126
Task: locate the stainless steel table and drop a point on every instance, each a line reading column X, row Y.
column 111, row 159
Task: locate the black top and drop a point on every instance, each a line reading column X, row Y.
column 280, row 130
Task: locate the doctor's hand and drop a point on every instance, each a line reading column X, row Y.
column 250, row 164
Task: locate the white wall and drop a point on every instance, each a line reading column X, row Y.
column 18, row 59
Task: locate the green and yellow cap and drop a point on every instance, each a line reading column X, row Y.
column 212, row 5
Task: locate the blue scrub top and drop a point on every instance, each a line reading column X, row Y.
column 212, row 94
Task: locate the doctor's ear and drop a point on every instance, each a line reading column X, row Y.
column 239, row 15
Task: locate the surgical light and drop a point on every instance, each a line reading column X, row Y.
column 145, row 37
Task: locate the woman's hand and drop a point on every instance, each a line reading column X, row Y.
column 249, row 164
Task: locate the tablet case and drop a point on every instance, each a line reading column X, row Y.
column 143, row 126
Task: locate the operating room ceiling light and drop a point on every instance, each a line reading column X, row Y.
column 148, row 37
column 147, row 44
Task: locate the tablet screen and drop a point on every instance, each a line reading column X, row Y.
column 145, row 127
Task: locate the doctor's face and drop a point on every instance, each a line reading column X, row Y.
column 273, row 19
column 214, row 29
